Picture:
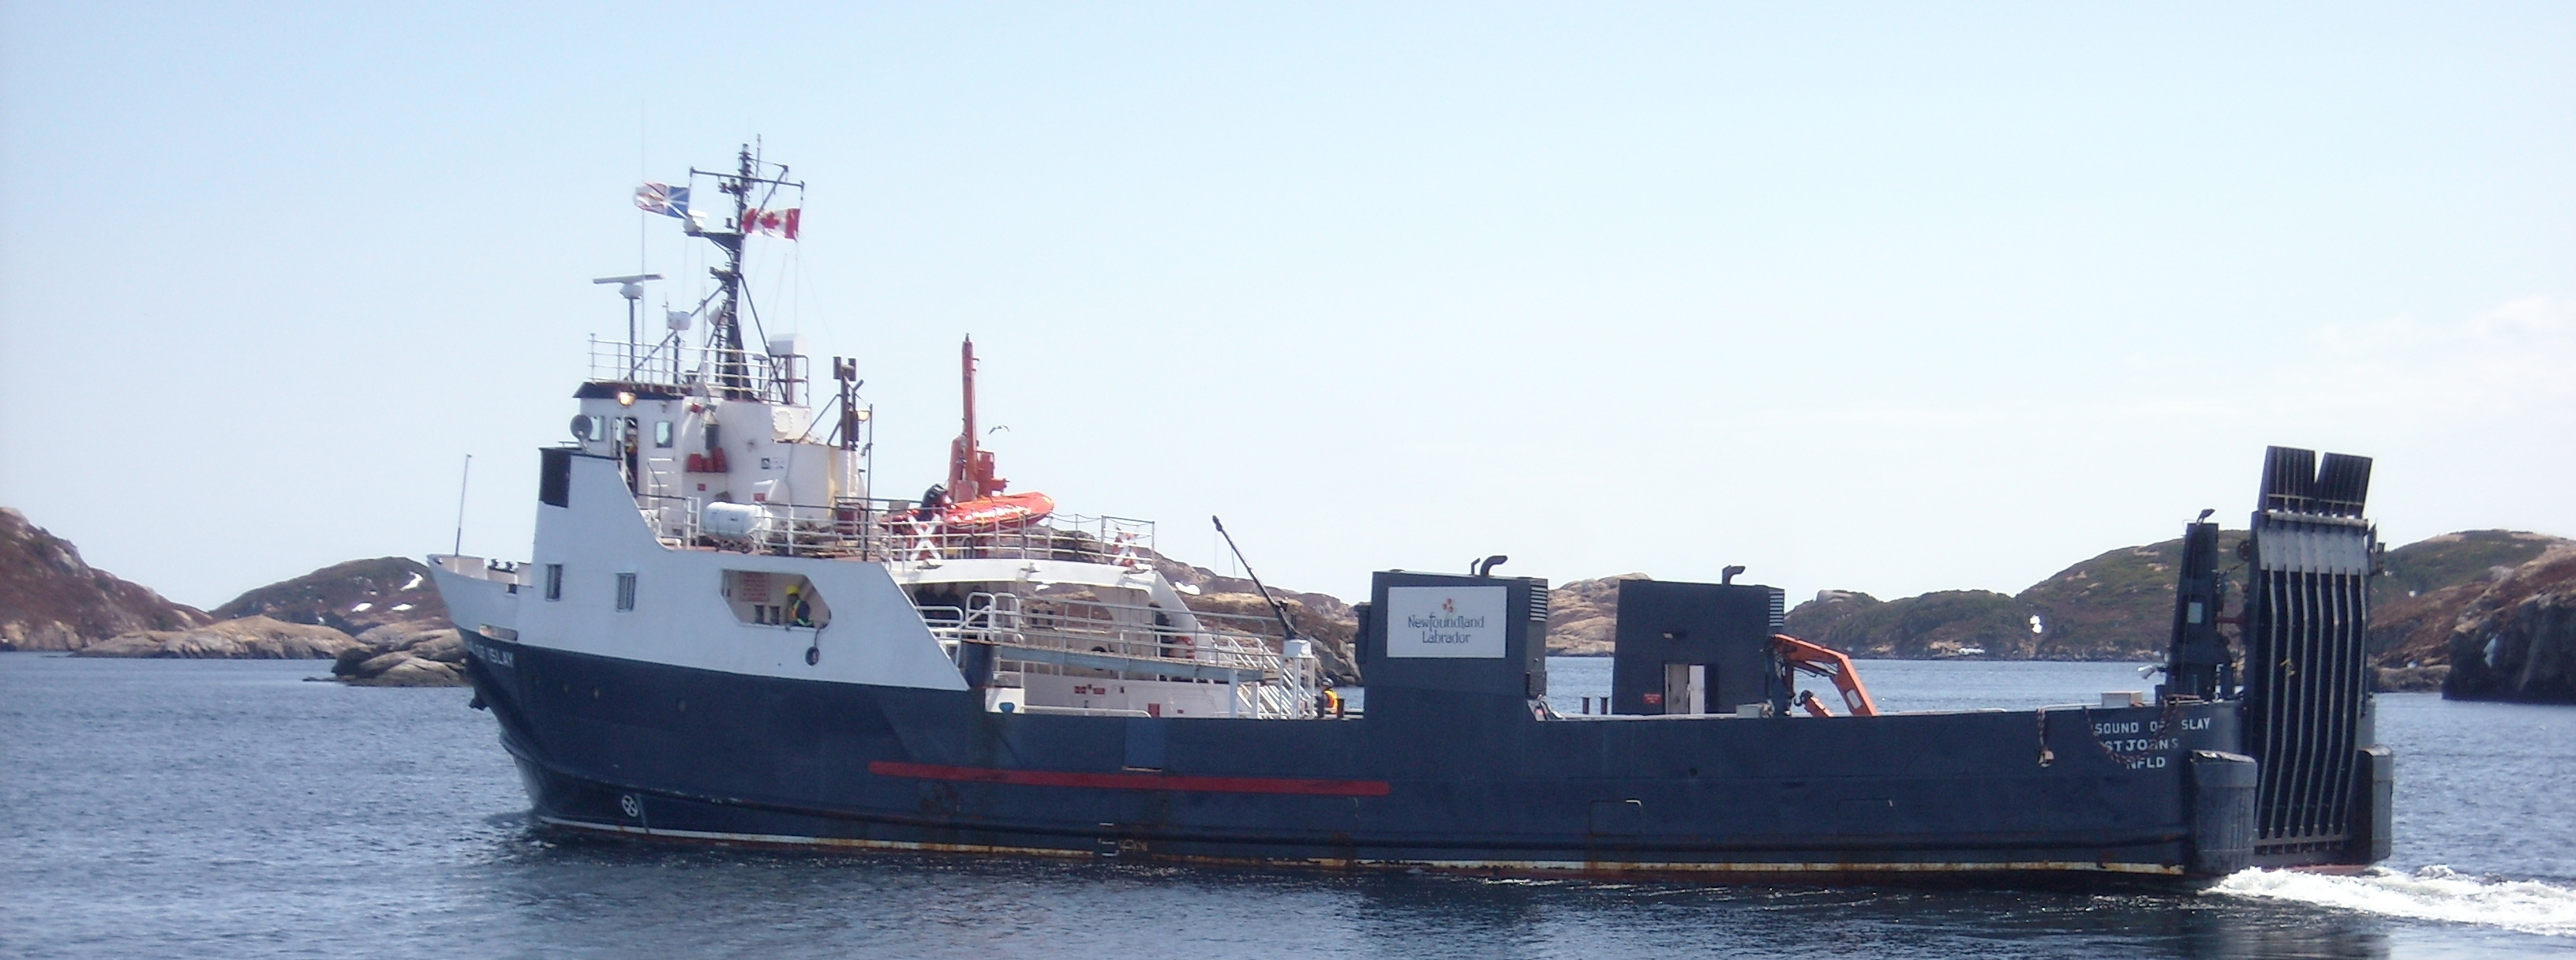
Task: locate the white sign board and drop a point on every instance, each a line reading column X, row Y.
column 1445, row 622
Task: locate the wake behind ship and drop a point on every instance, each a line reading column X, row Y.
column 721, row 635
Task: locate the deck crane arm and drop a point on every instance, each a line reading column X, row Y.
column 1830, row 664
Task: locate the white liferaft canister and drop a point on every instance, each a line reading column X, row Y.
column 740, row 520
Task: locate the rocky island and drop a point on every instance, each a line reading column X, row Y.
column 51, row 600
column 378, row 620
column 2478, row 615
column 2482, row 614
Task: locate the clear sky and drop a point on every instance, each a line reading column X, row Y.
column 1882, row 297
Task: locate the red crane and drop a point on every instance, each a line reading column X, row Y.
column 975, row 497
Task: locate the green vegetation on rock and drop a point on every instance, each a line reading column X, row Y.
column 2452, row 559
column 2119, row 605
column 1815, row 619
column 1946, row 623
column 2115, row 606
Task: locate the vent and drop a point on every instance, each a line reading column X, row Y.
column 1779, row 609
column 1538, row 601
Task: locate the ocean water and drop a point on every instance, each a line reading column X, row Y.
column 218, row 809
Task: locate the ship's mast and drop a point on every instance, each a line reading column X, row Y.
column 725, row 334
column 970, row 466
column 728, row 328
column 964, row 483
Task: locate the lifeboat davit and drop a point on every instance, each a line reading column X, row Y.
column 1009, row 511
column 982, row 507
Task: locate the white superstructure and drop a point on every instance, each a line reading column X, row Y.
column 702, row 516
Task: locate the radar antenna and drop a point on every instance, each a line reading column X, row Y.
column 631, row 287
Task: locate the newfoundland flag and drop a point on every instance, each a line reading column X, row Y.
column 776, row 223
column 664, row 199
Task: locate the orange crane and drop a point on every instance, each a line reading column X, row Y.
column 1830, row 664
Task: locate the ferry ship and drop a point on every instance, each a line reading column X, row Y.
column 721, row 635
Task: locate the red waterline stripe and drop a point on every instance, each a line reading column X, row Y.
column 1131, row 781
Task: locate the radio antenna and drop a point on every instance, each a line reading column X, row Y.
column 459, row 549
column 1275, row 606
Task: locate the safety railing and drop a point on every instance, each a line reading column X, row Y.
column 894, row 530
column 498, row 571
column 715, row 371
column 1051, row 635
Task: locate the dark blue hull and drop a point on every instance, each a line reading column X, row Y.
column 1471, row 785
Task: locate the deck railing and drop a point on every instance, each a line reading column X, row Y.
column 894, row 530
column 512, row 575
column 1052, row 635
column 714, row 370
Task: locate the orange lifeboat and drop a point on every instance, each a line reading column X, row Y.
column 1009, row 511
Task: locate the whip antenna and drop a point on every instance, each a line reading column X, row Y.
column 1275, row 606
column 461, row 481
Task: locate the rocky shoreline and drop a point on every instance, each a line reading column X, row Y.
column 417, row 654
column 2516, row 640
column 248, row 638
column 50, row 599
column 379, row 621
column 2487, row 614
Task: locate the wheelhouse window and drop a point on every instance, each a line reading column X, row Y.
column 769, row 599
column 625, row 591
column 554, row 581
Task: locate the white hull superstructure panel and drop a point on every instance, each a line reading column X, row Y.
column 678, row 614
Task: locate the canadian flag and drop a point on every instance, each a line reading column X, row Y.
column 776, row 223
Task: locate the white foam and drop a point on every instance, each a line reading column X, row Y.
column 2432, row 893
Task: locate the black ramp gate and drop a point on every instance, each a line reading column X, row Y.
column 2306, row 680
